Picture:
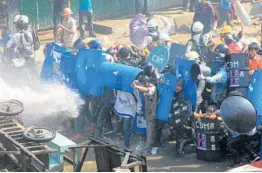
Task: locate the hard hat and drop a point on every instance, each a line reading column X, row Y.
column 67, row 11
column 95, row 44
column 16, row 18
column 152, row 23
column 226, row 29
column 197, row 27
column 193, row 55
column 23, row 19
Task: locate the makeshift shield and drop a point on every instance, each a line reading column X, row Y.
column 238, row 114
column 166, row 92
column 159, row 57
column 255, row 93
column 183, row 71
column 177, row 51
column 180, row 112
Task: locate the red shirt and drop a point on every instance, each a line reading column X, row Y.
column 255, row 63
column 234, row 48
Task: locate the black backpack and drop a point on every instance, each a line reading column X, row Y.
column 202, row 50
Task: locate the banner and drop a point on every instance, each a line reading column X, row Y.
column 159, row 57
column 183, row 71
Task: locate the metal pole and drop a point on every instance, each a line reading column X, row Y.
column 37, row 15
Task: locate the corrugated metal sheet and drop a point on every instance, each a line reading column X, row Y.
column 113, row 8
column 40, row 11
column 160, row 4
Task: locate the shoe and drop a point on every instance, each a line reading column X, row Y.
column 76, row 137
column 256, row 158
column 154, row 150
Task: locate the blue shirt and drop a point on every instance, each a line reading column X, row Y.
column 226, row 4
column 85, row 5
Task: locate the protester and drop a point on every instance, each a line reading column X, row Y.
column 219, row 80
column 205, row 14
column 124, row 57
column 85, row 10
column 225, row 12
column 255, row 60
column 126, row 107
column 150, row 102
column 233, row 47
column 69, row 29
column 58, row 7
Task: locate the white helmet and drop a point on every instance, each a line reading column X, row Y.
column 16, row 18
column 198, row 27
column 24, row 19
column 152, row 23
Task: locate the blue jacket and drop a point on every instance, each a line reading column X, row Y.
column 226, row 4
column 219, row 81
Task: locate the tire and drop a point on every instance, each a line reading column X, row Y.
column 18, row 111
column 43, row 139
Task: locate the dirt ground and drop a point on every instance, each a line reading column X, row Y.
column 166, row 161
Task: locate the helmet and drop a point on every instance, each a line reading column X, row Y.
column 144, row 52
column 22, row 22
column 95, row 44
column 152, row 23
column 253, row 46
column 193, row 55
column 228, row 38
column 79, row 44
column 197, row 27
column 226, row 29
column 24, row 19
column 222, row 48
column 16, row 18
column 67, row 11
column 219, row 58
column 124, row 52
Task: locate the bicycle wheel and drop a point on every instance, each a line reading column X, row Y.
column 11, row 108
column 39, row 134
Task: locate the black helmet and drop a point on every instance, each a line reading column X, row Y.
column 222, row 48
column 124, row 52
column 79, row 44
column 253, row 46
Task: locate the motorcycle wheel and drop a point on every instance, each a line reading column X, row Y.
column 11, row 108
column 39, row 134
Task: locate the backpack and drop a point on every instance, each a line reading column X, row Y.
column 36, row 40
column 202, row 50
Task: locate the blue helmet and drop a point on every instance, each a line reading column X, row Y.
column 222, row 48
column 219, row 58
column 95, row 44
column 229, row 38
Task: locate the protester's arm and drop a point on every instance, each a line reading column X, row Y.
column 200, row 88
column 70, row 30
column 167, row 24
column 218, row 78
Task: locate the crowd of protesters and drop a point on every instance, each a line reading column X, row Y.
column 123, row 106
